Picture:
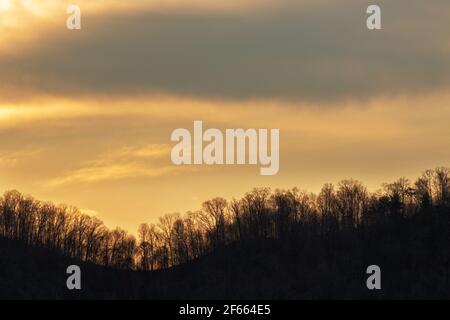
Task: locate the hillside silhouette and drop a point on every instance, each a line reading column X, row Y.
column 281, row 244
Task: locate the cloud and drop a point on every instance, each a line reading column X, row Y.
column 111, row 172
column 128, row 162
column 301, row 51
column 12, row 159
column 23, row 20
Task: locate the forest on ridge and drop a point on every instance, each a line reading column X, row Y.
column 337, row 212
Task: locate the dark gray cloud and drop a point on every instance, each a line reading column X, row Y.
column 321, row 52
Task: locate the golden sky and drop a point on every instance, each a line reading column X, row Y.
column 86, row 116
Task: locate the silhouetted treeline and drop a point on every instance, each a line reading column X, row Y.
column 336, row 217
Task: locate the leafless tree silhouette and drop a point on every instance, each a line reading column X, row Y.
column 334, row 217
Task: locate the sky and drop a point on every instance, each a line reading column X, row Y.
column 86, row 115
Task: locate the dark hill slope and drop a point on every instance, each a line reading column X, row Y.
column 266, row 270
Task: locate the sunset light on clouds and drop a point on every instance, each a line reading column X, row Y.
column 91, row 112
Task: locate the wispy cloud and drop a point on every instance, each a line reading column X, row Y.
column 128, row 162
column 12, row 159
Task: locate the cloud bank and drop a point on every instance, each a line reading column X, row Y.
column 297, row 51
